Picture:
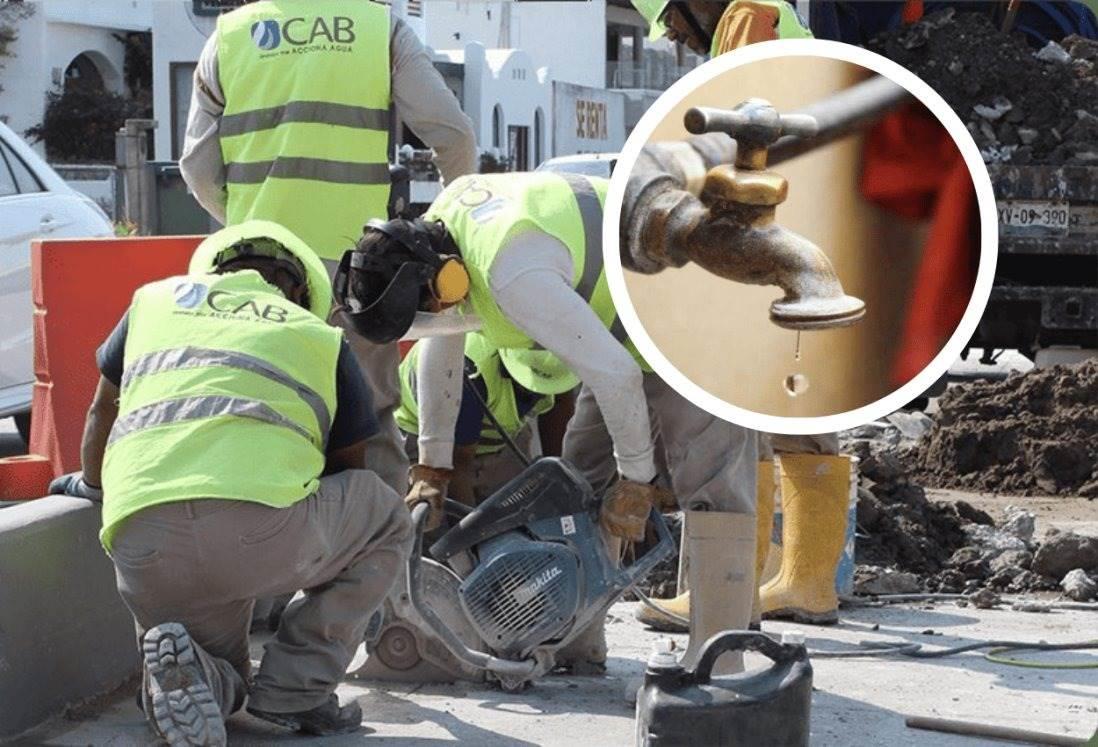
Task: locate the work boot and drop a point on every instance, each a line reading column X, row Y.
column 722, row 581
column 327, row 719
column 764, row 526
column 178, row 701
column 585, row 655
column 815, row 505
column 656, row 620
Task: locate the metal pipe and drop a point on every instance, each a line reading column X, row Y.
column 479, row 659
column 842, row 114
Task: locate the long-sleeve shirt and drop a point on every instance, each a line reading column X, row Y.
column 419, row 95
column 531, row 281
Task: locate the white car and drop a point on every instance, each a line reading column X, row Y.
column 34, row 203
column 588, row 164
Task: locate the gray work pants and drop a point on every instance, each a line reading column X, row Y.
column 203, row 563
column 379, row 364
column 709, row 463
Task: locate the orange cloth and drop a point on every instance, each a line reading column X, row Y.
column 913, row 168
column 743, row 23
column 913, row 11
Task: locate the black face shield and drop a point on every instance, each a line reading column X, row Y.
column 385, row 316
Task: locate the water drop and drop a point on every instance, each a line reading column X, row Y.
column 797, row 347
column 795, row 384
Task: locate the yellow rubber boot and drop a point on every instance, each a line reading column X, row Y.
column 722, row 581
column 764, row 507
column 815, row 501
column 678, row 606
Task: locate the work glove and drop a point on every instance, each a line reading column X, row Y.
column 428, row 485
column 74, row 484
column 625, row 510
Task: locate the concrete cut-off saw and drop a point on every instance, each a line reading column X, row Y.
column 518, row 578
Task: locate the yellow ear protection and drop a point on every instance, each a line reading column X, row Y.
column 450, row 282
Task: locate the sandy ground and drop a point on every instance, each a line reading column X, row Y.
column 856, row 702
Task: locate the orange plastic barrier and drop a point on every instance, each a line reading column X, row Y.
column 81, row 288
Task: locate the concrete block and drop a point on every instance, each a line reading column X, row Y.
column 64, row 633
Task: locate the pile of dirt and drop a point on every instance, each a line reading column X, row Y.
column 1030, row 434
column 1020, row 106
column 899, row 527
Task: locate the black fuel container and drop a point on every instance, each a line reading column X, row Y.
column 677, row 707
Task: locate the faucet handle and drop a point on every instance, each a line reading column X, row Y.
column 755, row 123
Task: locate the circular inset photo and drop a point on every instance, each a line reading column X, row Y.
column 800, row 236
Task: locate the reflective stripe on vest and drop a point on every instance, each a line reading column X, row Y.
column 305, row 131
column 317, row 112
column 193, row 357
column 195, row 408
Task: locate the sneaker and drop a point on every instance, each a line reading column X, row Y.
column 326, row 719
column 179, row 705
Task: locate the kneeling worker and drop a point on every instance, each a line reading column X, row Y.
column 483, row 460
column 519, row 256
column 227, row 432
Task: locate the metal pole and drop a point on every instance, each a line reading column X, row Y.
column 138, row 183
column 841, row 115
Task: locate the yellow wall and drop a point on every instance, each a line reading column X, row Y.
column 718, row 332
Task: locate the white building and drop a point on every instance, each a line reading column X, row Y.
column 569, row 35
column 509, row 100
column 66, row 39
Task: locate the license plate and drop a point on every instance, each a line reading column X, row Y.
column 1050, row 215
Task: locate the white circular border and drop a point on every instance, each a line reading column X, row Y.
column 989, row 236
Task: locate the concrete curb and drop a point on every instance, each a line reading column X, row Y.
column 65, row 635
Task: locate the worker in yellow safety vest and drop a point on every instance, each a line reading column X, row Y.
column 518, row 258
column 228, row 434
column 713, row 28
column 291, row 120
column 495, row 410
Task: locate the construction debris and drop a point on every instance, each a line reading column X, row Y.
column 1079, row 586
column 1020, row 106
column 1063, row 552
column 873, row 580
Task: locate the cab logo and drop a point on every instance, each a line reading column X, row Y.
column 188, row 295
column 302, row 32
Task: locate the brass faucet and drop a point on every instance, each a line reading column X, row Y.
column 741, row 240
column 729, row 227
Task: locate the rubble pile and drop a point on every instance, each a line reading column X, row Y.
column 1021, row 106
column 899, row 528
column 1030, row 434
column 908, row 543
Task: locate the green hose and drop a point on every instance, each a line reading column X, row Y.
column 994, row 655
